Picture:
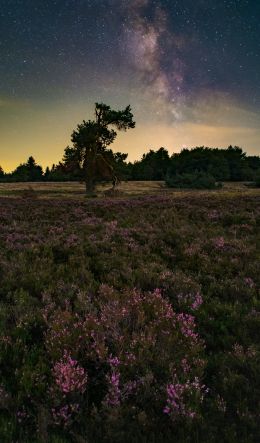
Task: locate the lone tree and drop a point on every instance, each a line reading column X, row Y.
column 90, row 141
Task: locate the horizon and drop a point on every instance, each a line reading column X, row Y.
column 127, row 159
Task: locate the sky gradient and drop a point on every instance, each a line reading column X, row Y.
column 189, row 69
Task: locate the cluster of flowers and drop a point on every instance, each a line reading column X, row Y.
column 124, row 336
column 177, row 405
column 69, row 375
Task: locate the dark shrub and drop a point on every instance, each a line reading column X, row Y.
column 195, row 180
column 257, row 179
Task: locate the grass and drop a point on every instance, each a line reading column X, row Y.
column 131, row 188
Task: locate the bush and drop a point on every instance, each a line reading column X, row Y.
column 195, row 180
column 257, row 179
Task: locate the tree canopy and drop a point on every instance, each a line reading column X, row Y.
column 230, row 164
column 90, row 140
column 25, row 172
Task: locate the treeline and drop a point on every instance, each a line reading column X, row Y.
column 231, row 164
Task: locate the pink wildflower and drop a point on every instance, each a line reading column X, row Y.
column 114, row 394
column 69, row 376
column 178, row 398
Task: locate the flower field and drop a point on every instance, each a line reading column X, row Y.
column 133, row 319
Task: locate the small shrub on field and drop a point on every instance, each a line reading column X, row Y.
column 195, row 180
column 113, row 192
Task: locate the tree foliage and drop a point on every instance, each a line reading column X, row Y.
column 89, row 154
column 153, row 165
column 25, row 172
column 231, row 164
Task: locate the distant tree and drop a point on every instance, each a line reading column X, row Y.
column 35, row 172
column 222, row 164
column 200, row 159
column 20, row 174
column 253, row 162
column 252, row 167
column 152, row 166
column 90, row 141
column 47, row 174
column 57, row 173
column 236, row 161
column 28, row 171
column 1, row 172
column 159, row 163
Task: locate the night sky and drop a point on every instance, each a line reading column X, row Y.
column 190, row 69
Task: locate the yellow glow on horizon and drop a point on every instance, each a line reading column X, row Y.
column 186, row 135
column 28, row 129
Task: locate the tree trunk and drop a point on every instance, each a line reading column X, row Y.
column 90, row 174
column 90, row 186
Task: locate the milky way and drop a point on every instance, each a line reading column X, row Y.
column 189, row 69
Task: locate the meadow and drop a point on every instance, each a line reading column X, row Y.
column 129, row 319
column 45, row 190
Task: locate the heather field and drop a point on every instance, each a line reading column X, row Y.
column 129, row 319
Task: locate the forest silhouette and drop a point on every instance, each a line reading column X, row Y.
column 91, row 160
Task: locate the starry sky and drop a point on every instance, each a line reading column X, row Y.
column 190, row 69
